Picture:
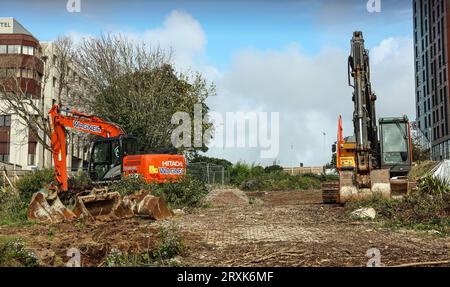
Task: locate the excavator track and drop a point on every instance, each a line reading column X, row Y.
column 330, row 192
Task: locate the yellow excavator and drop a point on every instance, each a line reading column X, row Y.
column 376, row 158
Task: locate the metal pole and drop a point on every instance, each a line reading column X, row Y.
column 431, row 141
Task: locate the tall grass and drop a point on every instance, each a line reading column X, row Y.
column 427, row 208
column 252, row 177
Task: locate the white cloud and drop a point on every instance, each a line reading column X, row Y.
column 309, row 91
column 181, row 32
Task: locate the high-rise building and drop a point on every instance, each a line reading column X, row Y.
column 431, row 52
column 23, row 63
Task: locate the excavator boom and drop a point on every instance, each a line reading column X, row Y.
column 78, row 121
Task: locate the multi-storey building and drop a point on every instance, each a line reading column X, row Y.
column 431, row 41
column 23, row 56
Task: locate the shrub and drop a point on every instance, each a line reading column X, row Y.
column 188, row 192
column 168, row 246
column 273, row 168
column 33, row 182
column 427, row 208
column 169, row 243
column 278, row 181
column 116, row 258
column 239, row 172
column 79, row 183
column 212, row 160
column 131, row 184
column 13, row 211
column 14, row 254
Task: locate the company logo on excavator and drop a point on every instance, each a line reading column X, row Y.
column 170, row 163
column 173, row 171
column 86, row 127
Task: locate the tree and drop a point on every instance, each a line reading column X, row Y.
column 23, row 81
column 419, row 153
column 136, row 87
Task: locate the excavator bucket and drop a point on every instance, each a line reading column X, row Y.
column 109, row 206
column 104, row 206
column 46, row 207
column 99, row 205
column 143, row 203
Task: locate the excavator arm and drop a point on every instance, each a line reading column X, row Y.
column 364, row 116
column 78, row 121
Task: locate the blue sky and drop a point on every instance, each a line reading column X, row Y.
column 286, row 56
column 229, row 25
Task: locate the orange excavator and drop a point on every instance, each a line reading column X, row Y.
column 113, row 156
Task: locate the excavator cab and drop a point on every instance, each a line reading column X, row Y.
column 106, row 159
column 395, row 145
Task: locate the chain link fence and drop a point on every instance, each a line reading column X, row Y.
column 209, row 173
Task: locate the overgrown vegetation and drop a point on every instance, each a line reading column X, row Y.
column 187, row 192
column 34, row 181
column 167, row 247
column 169, row 244
column 14, row 203
column 14, row 254
column 253, row 177
column 196, row 158
column 426, row 209
column 422, row 169
column 419, row 152
column 13, row 211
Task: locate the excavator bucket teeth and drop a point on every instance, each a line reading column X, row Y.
column 143, row 203
column 102, row 207
column 48, row 208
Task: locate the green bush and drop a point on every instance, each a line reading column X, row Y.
column 169, row 243
column 168, row 246
column 278, row 181
column 79, row 183
column 253, row 177
column 427, row 208
column 273, row 168
column 13, row 211
column 212, row 160
column 187, row 192
column 14, row 254
column 117, row 258
column 33, row 182
column 130, row 185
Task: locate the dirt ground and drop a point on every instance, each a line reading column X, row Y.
column 278, row 229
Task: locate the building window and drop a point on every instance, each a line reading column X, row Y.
column 14, row 49
column 27, row 74
column 32, row 144
column 3, row 49
column 5, row 129
column 28, row 50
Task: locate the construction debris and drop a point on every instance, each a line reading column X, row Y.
column 364, row 213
